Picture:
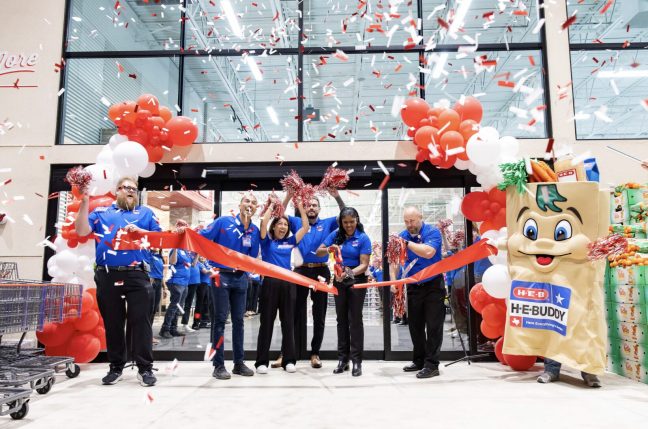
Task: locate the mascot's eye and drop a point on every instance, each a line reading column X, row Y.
column 563, row 231
column 531, row 229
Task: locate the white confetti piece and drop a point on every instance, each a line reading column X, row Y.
column 424, row 176
column 27, row 219
column 383, row 168
column 61, row 91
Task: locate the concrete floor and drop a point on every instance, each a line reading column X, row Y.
column 481, row 395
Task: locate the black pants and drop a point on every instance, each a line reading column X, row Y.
column 252, row 303
column 115, row 290
column 426, row 311
column 191, row 293
column 276, row 295
column 349, row 303
column 201, row 312
column 320, row 303
column 157, row 297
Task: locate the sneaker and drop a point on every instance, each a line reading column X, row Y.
column 315, row 361
column 166, row 335
column 262, row 369
column 547, row 377
column 591, row 380
column 112, row 377
column 187, row 329
column 242, row 369
column 277, row 363
column 221, row 373
column 290, row 368
column 146, row 378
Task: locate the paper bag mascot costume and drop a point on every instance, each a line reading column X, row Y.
column 556, row 307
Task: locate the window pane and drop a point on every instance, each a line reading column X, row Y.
column 229, row 104
column 621, row 21
column 610, row 90
column 508, row 84
column 126, row 25
column 348, row 23
column 90, row 83
column 226, row 24
column 357, row 99
column 485, row 21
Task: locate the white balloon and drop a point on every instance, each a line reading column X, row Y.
column 66, row 261
column 496, row 281
column 149, row 170
column 84, row 262
column 489, row 134
column 116, row 139
column 130, row 158
column 509, row 148
column 483, row 151
column 105, row 156
column 102, row 178
column 500, row 258
column 63, row 278
column 54, row 270
column 460, row 164
column 87, row 249
column 61, row 244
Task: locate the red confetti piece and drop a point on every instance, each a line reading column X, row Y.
column 220, row 342
column 521, row 12
column 569, row 22
column 531, row 60
column 443, row 24
column 506, row 83
column 384, row 182
column 606, row 6
column 550, row 145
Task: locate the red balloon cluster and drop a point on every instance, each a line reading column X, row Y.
column 441, row 134
column 79, row 337
column 486, row 207
column 151, row 125
column 67, row 231
column 493, row 311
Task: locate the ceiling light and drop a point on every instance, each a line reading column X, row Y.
column 232, row 19
column 273, row 115
column 254, row 68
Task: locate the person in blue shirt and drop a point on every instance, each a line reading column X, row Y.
column 425, row 300
column 276, row 294
column 313, row 267
column 180, row 262
column 354, row 246
column 157, row 276
column 194, row 284
column 119, row 274
column 201, row 312
column 241, row 235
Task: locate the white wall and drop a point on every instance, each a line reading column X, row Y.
column 28, row 150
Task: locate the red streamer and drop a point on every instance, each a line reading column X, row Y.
column 396, row 250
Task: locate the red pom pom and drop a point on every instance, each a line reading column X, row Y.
column 612, row 245
column 396, row 250
column 278, row 210
column 334, row 178
column 79, row 178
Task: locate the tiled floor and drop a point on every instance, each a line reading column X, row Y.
column 482, row 395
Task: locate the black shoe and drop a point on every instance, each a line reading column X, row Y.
column 195, row 326
column 241, row 369
column 205, row 325
column 411, row 367
column 396, row 321
column 341, row 367
column 112, row 377
column 146, row 378
column 177, row 334
column 166, row 335
column 357, row 369
column 427, row 373
column 221, row 373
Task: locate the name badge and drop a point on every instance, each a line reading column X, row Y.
column 247, row 241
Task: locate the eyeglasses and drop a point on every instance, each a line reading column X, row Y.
column 128, row 189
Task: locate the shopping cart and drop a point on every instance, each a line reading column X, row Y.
column 40, row 380
column 9, row 270
column 14, row 402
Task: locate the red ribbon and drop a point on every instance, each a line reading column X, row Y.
column 194, row 242
column 477, row 251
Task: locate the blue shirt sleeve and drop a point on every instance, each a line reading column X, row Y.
column 433, row 239
column 154, row 223
column 294, row 223
column 212, row 231
column 93, row 220
column 365, row 245
column 331, row 224
column 292, row 240
column 330, row 238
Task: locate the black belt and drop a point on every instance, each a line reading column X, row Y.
column 224, row 270
column 313, row 265
column 120, row 268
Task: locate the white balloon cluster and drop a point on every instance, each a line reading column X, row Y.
column 72, row 265
column 496, row 279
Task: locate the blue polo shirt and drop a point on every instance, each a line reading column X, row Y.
column 106, row 221
column 428, row 235
column 277, row 252
column 228, row 231
column 315, row 236
column 354, row 246
column 204, row 277
column 157, row 266
column 194, row 272
column 181, row 270
column 376, row 273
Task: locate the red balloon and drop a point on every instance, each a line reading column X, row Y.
column 497, row 196
column 60, row 350
column 182, row 131
column 451, row 118
column 479, row 298
column 149, row 102
column 100, row 332
column 494, row 315
column 426, row 135
column 115, row 111
column 422, row 155
column 471, row 206
column 448, row 162
column 411, row 132
column 487, row 225
column 155, row 153
column 55, row 334
column 93, row 292
column 83, row 347
column 165, row 113
column 519, row 362
column 129, row 112
column 492, row 332
column 88, row 321
column 452, row 140
column 415, row 109
column 471, row 109
column 87, row 303
column 498, row 351
column 138, row 135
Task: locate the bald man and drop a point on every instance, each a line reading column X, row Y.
column 425, row 300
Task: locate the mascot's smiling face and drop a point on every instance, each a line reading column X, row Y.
column 551, row 227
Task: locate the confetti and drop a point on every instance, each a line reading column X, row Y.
column 568, row 22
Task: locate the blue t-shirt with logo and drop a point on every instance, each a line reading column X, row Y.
column 354, row 246
column 427, row 235
column 228, row 231
column 106, row 221
column 157, row 266
column 277, row 252
column 181, row 269
column 315, row 236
